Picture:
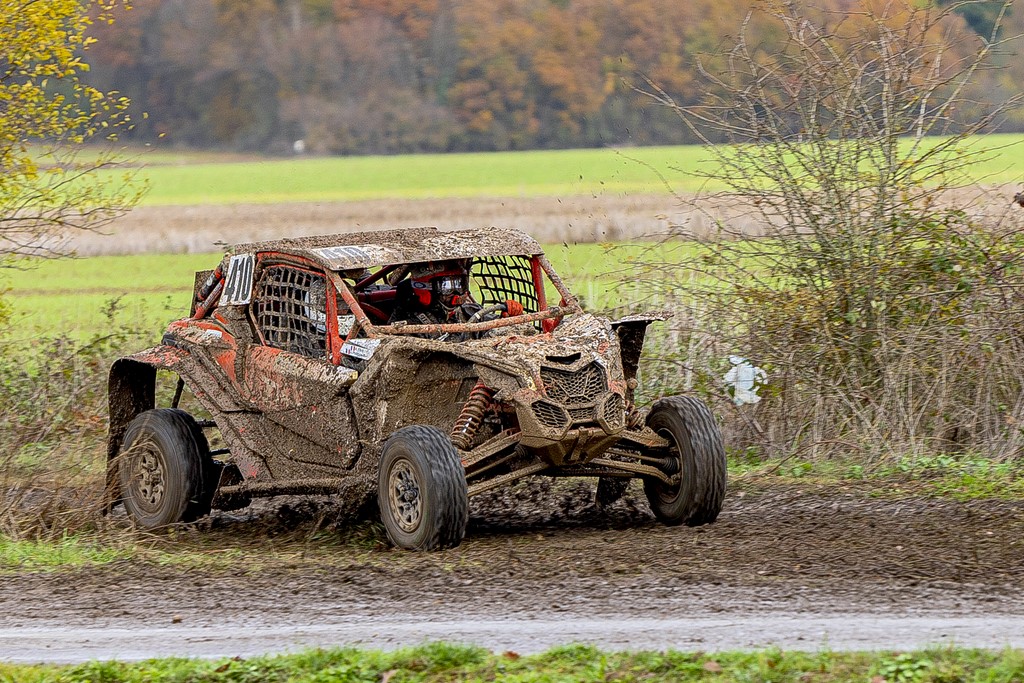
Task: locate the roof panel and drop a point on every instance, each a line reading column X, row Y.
column 369, row 249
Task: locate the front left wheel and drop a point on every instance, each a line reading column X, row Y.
column 697, row 454
column 165, row 470
column 421, row 490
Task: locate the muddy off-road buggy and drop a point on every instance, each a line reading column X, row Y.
column 423, row 366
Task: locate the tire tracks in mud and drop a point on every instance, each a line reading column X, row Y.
column 795, row 567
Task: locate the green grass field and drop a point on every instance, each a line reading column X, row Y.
column 200, row 179
column 84, row 297
column 511, row 174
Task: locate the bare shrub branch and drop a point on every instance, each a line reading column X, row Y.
column 877, row 288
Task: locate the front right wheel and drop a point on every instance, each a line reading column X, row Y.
column 697, row 454
column 421, row 490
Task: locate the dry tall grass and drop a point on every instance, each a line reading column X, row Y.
column 886, row 311
column 551, row 220
column 53, row 400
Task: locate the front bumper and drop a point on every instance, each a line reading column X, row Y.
column 573, row 434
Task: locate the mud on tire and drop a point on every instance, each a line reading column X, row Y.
column 697, row 444
column 165, row 471
column 421, row 490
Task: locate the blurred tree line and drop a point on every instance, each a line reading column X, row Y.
column 394, row 76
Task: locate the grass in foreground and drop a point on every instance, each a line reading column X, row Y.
column 66, row 553
column 575, row 663
column 964, row 476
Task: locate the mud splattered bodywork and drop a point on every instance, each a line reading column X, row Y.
column 314, row 356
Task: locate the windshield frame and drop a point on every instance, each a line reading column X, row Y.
column 541, row 268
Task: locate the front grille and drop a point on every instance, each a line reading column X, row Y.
column 614, row 410
column 581, row 415
column 574, row 388
column 549, row 414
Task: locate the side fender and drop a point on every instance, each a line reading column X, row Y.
column 631, row 331
column 131, row 390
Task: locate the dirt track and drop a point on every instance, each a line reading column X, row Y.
column 797, row 567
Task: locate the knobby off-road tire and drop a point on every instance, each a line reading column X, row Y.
column 421, row 490
column 697, row 445
column 165, row 469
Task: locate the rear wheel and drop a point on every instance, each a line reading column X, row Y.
column 165, row 469
column 698, row 455
column 421, row 490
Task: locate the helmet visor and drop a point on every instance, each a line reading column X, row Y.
column 450, row 286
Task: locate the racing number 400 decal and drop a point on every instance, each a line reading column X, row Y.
column 238, row 284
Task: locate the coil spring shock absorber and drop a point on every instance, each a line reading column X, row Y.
column 472, row 415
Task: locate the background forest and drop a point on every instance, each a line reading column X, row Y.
column 395, row 76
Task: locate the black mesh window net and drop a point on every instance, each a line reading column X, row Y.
column 291, row 310
column 497, row 279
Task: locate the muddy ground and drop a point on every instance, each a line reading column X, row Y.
column 796, row 566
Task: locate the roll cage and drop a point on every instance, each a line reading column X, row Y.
column 488, row 282
column 367, row 298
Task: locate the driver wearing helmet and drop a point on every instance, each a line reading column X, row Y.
column 438, row 292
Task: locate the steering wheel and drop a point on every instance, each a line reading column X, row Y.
column 490, row 310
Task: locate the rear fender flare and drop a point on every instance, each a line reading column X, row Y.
column 131, row 390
